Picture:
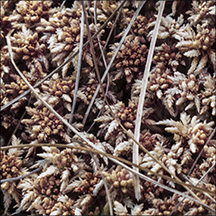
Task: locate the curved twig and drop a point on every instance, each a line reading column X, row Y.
column 114, row 158
column 71, row 146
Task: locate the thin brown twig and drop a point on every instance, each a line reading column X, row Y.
column 105, row 64
column 109, row 156
column 105, row 154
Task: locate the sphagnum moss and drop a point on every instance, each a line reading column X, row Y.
column 180, row 95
